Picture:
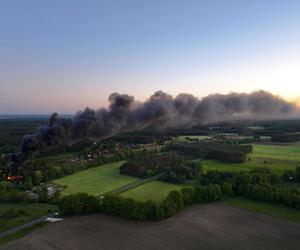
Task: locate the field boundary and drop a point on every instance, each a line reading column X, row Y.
column 135, row 184
column 25, row 225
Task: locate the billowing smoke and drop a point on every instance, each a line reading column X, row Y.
column 161, row 110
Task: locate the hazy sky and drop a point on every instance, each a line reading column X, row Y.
column 63, row 55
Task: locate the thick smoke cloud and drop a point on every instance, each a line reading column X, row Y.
column 161, row 110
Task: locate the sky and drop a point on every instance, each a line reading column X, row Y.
column 64, row 55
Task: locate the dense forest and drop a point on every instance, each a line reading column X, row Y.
column 219, row 151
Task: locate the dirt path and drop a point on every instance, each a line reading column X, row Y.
column 213, row 226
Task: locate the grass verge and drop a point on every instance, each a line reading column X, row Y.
column 22, row 233
column 24, row 212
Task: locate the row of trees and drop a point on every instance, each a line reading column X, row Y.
column 136, row 138
column 260, row 175
column 285, row 137
column 227, row 156
column 259, row 184
column 131, row 209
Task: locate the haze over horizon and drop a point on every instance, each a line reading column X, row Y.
column 65, row 55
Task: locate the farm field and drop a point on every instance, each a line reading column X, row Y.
column 24, row 213
column 289, row 152
column 154, row 190
column 97, row 180
column 265, row 208
column 277, row 158
column 277, row 166
column 223, row 166
column 210, row 226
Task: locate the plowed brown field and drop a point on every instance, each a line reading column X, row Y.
column 212, row 226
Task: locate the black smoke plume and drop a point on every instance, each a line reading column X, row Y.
column 161, row 110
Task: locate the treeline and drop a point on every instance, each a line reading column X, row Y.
column 177, row 169
column 180, row 173
column 150, row 164
column 227, row 155
column 137, row 138
column 217, row 151
column 285, row 137
column 9, row 194
column 42, row 170
column 258, row 184
column 137, row 210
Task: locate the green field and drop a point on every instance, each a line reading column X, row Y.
column 106, row 178
column 277, row 158
column 154, row 190
column 277, row 166
column 265, row 208
column 96, row 180
column 289, row 152
column 25, row 213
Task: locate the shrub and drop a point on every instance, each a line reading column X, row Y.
column 171, row 205
column 211, row 192
column 297, row 174
column 188, row 195
column 227, row 189
column 9, row 213
column 288, row 176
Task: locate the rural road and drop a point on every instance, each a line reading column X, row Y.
column 211, row 226
column 26, row 225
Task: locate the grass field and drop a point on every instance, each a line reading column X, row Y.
column 29, row 212
column 289, row 152
column 278, row 158
column 277, row 166
column 264, row 208
column 154, row 190
column 96, row 180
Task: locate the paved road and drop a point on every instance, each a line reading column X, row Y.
column 24, row 226
column 136, row 184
